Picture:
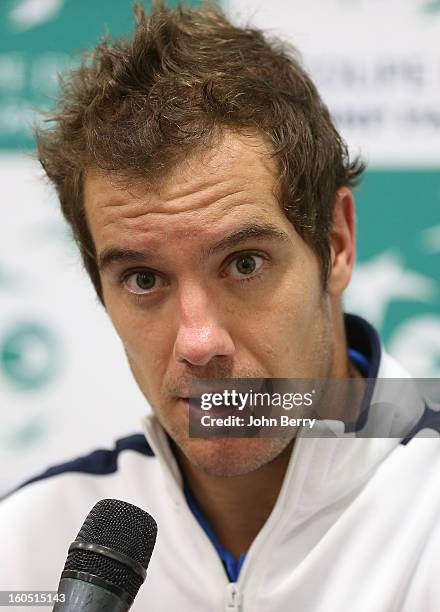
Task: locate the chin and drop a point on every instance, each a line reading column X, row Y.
column 229, row 457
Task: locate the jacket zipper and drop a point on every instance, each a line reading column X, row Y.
column 233, row 597
column 250, row 565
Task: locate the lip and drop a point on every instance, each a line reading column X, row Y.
column 197, row 409
column 183, row 400
column 183, row 403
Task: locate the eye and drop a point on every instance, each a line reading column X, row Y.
column 246, row 265
column 142, row 281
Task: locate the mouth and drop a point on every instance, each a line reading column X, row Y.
column 183, row 402
column 193, row 405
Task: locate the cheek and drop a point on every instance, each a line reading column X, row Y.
column 145, row 344
column 295, row 317
column 127, row 326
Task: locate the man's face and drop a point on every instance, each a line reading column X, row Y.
column 205, row 277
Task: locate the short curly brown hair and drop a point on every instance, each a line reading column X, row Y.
column 136, row 105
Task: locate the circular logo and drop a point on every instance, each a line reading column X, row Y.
column 29, row 356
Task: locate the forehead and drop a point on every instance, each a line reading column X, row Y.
column 211, row 189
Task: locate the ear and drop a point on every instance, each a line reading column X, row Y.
column 342, row 242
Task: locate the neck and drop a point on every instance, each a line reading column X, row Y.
column 229, row 503
column 237, row 507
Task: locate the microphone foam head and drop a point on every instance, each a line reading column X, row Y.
column 119, row 526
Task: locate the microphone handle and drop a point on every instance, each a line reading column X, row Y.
column 81, row 596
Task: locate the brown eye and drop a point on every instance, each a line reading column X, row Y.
column 143, row 282
column 246, row 264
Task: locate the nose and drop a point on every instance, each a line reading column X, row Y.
column 201, row 334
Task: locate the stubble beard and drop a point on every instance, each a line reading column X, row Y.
column 229, row 457
column 232, row 456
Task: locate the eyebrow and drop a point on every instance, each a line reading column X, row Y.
column 256, row 231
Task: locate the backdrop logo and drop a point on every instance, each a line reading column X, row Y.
column 40, row 39
column 396, row 281
column 29, row 356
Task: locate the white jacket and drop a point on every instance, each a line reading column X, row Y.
column 356, row 526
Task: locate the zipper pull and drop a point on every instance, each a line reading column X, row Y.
column 233, row 598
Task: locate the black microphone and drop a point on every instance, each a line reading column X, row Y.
column 108, row 561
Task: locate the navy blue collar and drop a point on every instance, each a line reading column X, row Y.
column 363, row 339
